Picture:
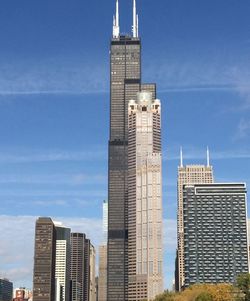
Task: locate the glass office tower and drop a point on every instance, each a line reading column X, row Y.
column 125, row 83
column 215, row 233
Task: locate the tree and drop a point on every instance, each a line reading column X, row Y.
column 243, row 283
column 166, row 296
column 204, row 297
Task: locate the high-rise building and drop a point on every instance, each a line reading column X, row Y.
column 77, row 266
column 6, row 290
column 97, row 287
column 62, row 272
column 22, row 294
column 105, row 221
column 215, row 233
column 189, row 174
column 82, row 268
column 86, row 272
column 125, row 81
column 92, row 277
column 44, row 260
column 102, row 279
column 144, row 198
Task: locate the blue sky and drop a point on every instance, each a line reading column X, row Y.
column 54, row 107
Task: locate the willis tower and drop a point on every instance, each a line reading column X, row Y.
column 125, row 83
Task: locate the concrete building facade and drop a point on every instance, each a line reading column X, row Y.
column 92, row 277
column 22, row 294
column 102, row 279
column 189, row 174
column 44, row 260
column 144, row 198
column 62, row 272
column 215, row 233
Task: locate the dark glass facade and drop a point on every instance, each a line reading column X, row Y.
column 80, row 267
column 125, row 83
column 215, row 233
column 6, row 290
column 77, row 266
column 44, row 260
column 86, row 278
column 125, row 80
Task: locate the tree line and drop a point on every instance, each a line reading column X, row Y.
column 240, row 291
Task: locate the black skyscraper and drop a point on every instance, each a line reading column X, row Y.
column 44, row 260
column 125, row 83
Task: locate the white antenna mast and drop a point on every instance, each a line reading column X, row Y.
column 137, row 26
column 208, row 157
column 135, row 21
column 116, row 27
column 181, row 158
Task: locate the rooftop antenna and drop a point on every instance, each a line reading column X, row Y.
column 208, row 157
column 181, row 157
column 135, row 21
column 137, row 26
column 116, row 27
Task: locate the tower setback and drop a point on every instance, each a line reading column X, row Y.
column 125, row 83
column 144, row 198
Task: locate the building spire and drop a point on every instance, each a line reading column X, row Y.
column 208, row 157
column 135, row 21
column 116, row 27
column 181, row 157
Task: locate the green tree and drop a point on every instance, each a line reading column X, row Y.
column 243, row 283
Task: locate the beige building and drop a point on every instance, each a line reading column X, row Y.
column 189, row 174
column 145, row 277
column 102, row 279
column 92, row 283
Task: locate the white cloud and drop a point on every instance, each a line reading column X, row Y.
column 243, row 130
column 188, row 75
column 198, row 74
column 65, row 179
column 30, row 156
column 9, row 193
column 49, row 203
column 17, row 243
column 56, row 75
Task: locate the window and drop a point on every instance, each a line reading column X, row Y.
column 159, row 267
column 151, row 267
column 139, row 267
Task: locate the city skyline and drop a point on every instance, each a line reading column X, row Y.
column 45, row 165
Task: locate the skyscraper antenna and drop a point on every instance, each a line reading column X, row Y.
column 116, row 27
column 137, row 25
column 135, row 21
column 181, row 157
column 208, row 157
column 117, row 13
